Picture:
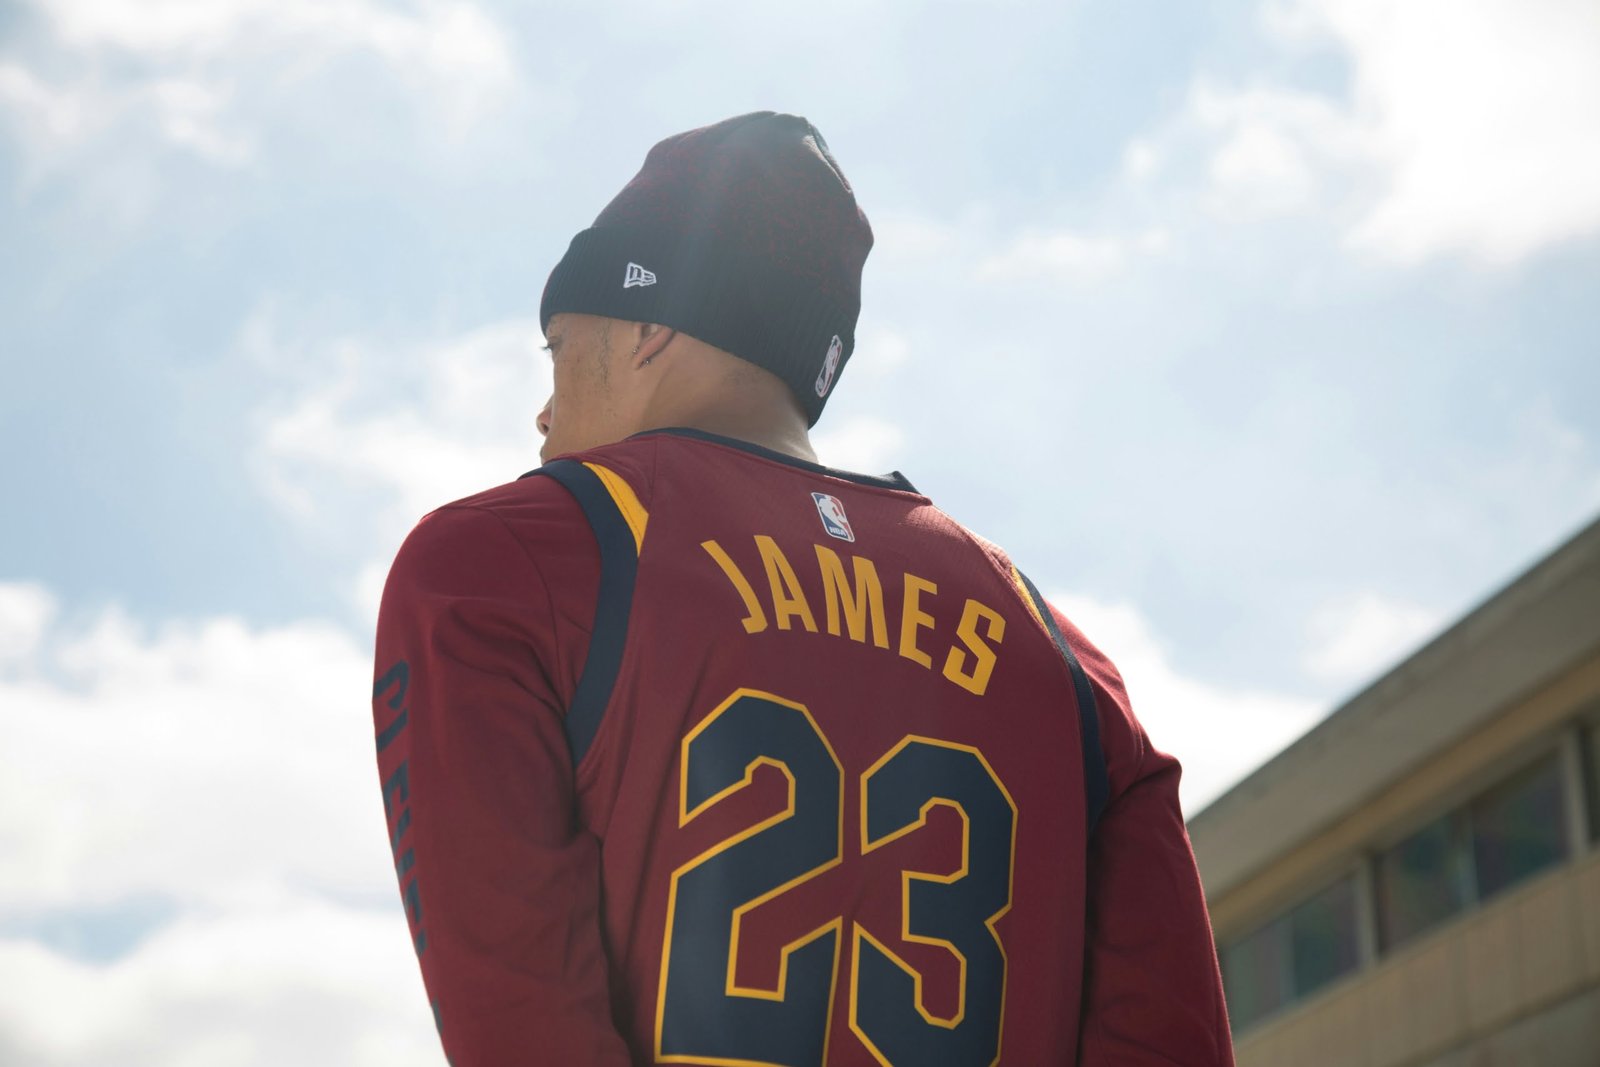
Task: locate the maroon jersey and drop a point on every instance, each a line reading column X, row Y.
column 695, row 753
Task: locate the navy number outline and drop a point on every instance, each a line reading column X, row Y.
column 886, row 1008
column 704, row 1016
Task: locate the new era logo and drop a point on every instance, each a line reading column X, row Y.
column 833, row 517
column 830, row 366
column 637, row 275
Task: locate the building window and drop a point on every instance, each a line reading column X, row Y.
column 1293, row 956
column 1506, row 834
column 1503, row 836
column 1256, row 974
column 1519, row 828
column 1423, row 880
column 1323, row 933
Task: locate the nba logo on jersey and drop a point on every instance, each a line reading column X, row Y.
column 833, row 517
column 830, row 366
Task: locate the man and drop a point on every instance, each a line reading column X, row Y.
column 696, row 751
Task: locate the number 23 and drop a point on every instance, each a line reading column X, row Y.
column 704, row 1016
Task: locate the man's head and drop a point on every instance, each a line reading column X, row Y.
column 743, row 238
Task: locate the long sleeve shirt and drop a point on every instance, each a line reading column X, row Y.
column 695, row 753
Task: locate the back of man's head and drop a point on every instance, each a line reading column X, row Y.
column 744, row 234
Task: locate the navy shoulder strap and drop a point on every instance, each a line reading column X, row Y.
column 1095, row 784
column 618, row 524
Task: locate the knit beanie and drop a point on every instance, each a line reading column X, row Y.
column 745, row 235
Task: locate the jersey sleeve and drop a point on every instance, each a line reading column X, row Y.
column 1152, row 989
column 500, row 886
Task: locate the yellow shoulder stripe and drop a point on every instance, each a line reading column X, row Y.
column 1027, row 597
column 633, row 512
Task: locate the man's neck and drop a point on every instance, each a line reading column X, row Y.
column 787, row 436
column 704, row 388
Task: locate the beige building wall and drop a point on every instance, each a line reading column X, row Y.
column 1511, row 982
column 1517, row 984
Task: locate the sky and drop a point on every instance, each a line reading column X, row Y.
column 1262, row 334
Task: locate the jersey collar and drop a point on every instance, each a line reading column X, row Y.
column 893, row 480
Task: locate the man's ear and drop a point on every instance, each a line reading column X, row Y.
column 650, row 338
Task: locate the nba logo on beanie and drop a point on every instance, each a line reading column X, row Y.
column 830, row 366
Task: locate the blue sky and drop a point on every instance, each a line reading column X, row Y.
column 1263, row 334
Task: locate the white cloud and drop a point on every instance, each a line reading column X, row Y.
column 1141, row 159
column 1483, row 115
column 1467, row 128
column 225, row 769
column 1219, row 734
column 972, row 246
column 111, row 141
column 57, row 120
column 203, row 761
column 374, row 437
column 173, row 73
column 191, row 115
column 300, row 981
column 450, row 43
column 879, row 353
column 1272, row 148
column 906, row 238
column 50, row 116
column 1066, row 256
column 862, row 443
column 448, row 37
column 1355, row 637
column 26, row 609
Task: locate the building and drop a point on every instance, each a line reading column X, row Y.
column 1416, row 881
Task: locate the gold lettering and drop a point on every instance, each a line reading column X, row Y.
column 983, row 655
column 788, row 601
column 755, row 619
column 860, row 600
column 913, row 618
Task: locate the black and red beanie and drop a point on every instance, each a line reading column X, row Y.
column 745, row 235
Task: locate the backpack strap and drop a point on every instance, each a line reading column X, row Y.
column 618, row 521
column 1095, row 784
